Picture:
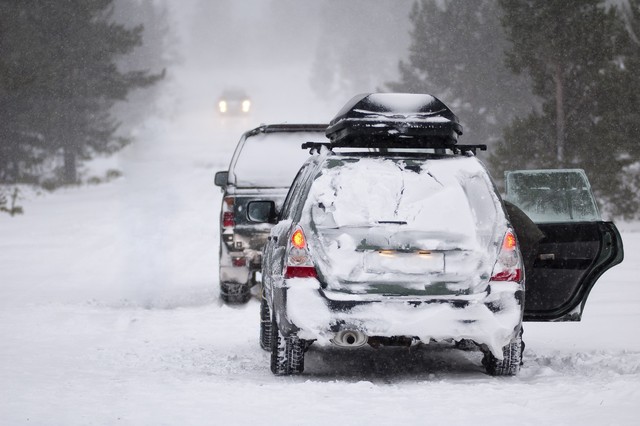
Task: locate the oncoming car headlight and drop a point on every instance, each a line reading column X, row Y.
column 222, row 106
column 246, row 105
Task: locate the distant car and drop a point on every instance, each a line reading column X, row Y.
column 234, row 102
column 263, row 166
column 393, row 234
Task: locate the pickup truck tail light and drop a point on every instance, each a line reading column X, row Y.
column 228, row 216
column 299, row 263
column 239, row 261
column 509, row 266
column 228, row 220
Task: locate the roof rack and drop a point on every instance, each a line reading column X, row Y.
column 463, row 149
column 381, row 144
column 284, row 127
column 391, row 121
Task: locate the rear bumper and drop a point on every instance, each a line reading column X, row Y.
column 239, row 266
column 492, row 318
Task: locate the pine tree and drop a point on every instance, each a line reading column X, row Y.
column 21, row 145
column 583, row 65
column 157, row 52
column 66, row 51
column 457, row 54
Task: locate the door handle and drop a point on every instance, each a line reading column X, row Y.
column 546, row 256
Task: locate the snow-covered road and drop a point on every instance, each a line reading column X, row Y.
column 109, row 314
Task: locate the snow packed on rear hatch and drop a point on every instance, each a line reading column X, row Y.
column 405, row 226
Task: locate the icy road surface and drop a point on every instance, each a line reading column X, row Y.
column 109, row 314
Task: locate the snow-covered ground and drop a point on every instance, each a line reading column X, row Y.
column 109, row 314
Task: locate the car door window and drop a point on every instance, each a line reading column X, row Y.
column 552, row 196
column 577, row 248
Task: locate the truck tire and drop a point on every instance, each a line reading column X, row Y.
column 234, row 293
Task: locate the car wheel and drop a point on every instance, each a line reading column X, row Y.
column 287, row 353
column 265, row 324
column 510, row 364
column 233, row 293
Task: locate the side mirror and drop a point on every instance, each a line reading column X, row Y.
column 221, row 178
column 262, row 211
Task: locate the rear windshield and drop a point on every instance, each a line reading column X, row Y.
column 444, row 196
column 271, row 160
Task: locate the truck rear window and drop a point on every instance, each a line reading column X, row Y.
column 271, row 160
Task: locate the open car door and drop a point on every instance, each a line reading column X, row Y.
column 578, row 246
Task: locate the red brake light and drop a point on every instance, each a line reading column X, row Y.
column 300, row 272
column 508, row 275
column 299, row 263
column 298, row 240
column 228, row 216
column 228, row 220
column 239, row 261
column 509, row 265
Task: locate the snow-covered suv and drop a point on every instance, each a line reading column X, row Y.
column 394, row 234
column 263, row 165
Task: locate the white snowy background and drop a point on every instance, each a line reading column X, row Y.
column 109, row 309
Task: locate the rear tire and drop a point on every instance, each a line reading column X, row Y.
column 234, row 293
column 265, row 324
column 510, row 365
column 287, row 353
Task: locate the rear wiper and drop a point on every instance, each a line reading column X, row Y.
column 391, row 222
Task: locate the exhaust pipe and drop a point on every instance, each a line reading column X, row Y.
column 350, row 339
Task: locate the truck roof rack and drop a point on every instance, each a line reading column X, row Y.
column 284, row 127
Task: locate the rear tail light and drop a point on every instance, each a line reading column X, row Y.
column 228, row 220
column 228, row 216
column 297, row 239
column 301, row 272
column 509, row 265
column 299, row 263
column 239, row 261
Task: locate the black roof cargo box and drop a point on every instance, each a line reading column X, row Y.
column 407, row 119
